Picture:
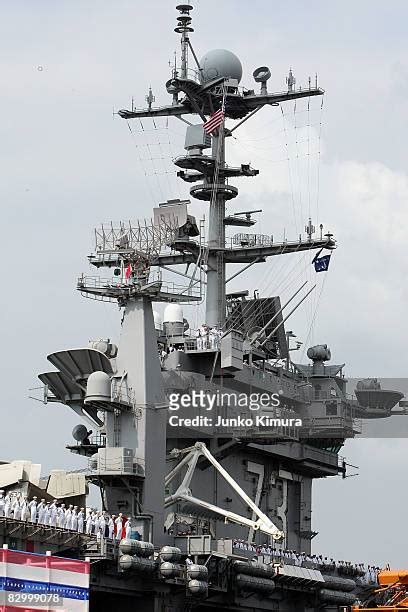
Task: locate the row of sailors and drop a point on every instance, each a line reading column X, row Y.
column 368, row 574
column 208, row 337
column 55, row 514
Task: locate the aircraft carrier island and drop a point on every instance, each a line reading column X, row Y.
column 202, row 438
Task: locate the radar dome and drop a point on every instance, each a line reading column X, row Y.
column 320, row 352
column 98, row 387
column 79, row 433
column 173, row 313
column 221, row 63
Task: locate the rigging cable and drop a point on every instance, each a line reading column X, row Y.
column 141, row 164
column 299, row 175
column 289, row 169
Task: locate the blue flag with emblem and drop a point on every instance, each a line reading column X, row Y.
column 321, row 264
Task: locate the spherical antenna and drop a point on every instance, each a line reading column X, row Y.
column 79, row 433
column 221, row 63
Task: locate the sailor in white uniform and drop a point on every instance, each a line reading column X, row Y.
column 97, row 522
column 25, row 512
column 32, row 508
column 81, row 517
column 61, row 516
column 199, row 342
column 102, row 524
column 41, row 512
column 119, row 526
column 111, row 526
column 68, row 516
column 7, row 505
column 16, row 509
column 53, row 513
column 47, row 514
column 89, row 523
column 94, row 521
column 2, row 502
column 204, row 336
column 74, row 519
column 128, row 528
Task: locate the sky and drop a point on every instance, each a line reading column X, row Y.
column 68, row 163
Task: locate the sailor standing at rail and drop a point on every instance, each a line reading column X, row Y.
column 68, row 517
column 97, row 522
column 32, row 508
column 81, row 517
column 212, row 336
column 25, row 513
column 41, row 511
column 47, row 514
column 111, row 526
column 89, row 523
column 53, row 513
column 74, row 519
column 16, row 509
column 119, row 526
column 128, row 528
column 198, row 340
column 7, row 505
column 60, row 516
column 2, row 502
column 204, row 336
column 102, row 524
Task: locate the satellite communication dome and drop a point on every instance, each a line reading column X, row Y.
column 98, row 387
column 221, row 63
column 173, row 313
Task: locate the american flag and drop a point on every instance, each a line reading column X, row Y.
column 215, row 121
column 27, row 577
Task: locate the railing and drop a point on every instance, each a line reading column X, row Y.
column 119, row 288
column 97, row 440
column 252, row 240
column 332, row 422
column 205, row 345
column 120, row 393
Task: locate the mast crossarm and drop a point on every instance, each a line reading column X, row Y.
column 237, row 107
column 163, row 111
column 169, row 260
column 252, row 102
column 249, row 253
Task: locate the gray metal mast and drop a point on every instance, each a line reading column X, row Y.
column 215, row 297
column 203, row 95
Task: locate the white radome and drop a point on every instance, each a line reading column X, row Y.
column 173, row 313
column 98, row 387
column 221, row 63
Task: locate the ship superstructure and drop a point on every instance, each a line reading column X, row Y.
column 196, row 482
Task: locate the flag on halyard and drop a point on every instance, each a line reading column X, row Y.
column 321, row 264
column 215, row 121
column 128, row 270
